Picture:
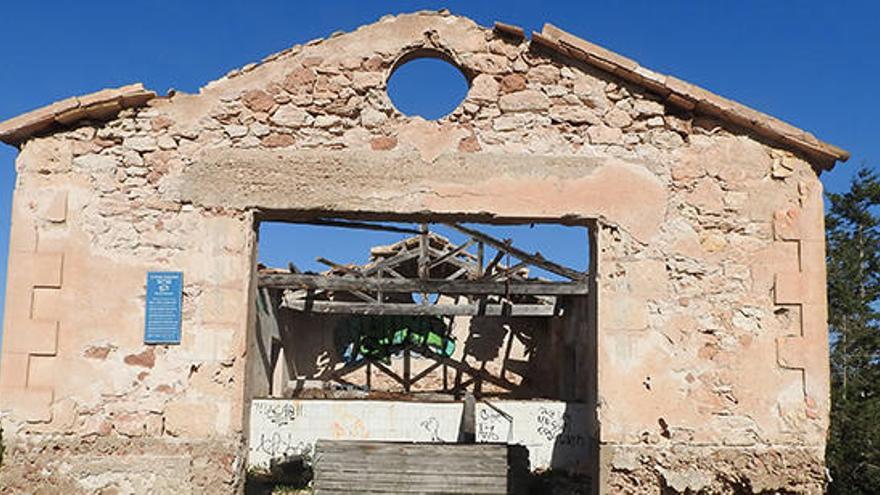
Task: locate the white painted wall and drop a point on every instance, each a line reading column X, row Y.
column 554, row 433
column 282, row 427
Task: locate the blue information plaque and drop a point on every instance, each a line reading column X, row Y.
column 162, row 322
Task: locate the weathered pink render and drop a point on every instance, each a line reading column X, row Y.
column 711, row 341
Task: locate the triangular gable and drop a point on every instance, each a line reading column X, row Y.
column 105, row 104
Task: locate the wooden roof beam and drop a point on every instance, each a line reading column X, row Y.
column 429, row 286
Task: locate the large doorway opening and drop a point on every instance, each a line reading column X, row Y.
column 424, row 331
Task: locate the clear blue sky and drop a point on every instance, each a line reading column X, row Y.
column 812, row 63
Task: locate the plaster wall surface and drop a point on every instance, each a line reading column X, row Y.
column 711, row 338
column 553, row 432
column 281, row 427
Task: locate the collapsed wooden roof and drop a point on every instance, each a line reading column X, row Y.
column 430, row 265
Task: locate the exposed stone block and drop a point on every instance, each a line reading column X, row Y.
column 278, row 140
column 484, row 88
column 524, row 101
column 46, row 156
column 300, row 79
column 144, row 359
column 383, row 143
column 291, row 116
column 97, row 164
column 488, row 63
column 512, row 83
column 600, row 134
column 258, row 100
column 648, row 107
column 617, row 118
column 576, row 114
column 141, row 143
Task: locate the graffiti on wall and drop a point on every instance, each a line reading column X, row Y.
column 279, row 446
column 492, row 426
column 432, row 427
column 285, row 428
column 554, row 433
column 556, row 426
column 279, row 413
column 380, row 337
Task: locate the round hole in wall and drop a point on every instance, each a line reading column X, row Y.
column 427, row 84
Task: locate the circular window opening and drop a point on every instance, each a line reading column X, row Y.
column 428, row 87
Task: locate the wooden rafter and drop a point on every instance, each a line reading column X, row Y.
column 490, row 268
column 533, row 259
column 338, row 266
column 390, row 263
column 430, row 286
column 386, row 308
column 348, row 224
column 429, row 264
column 454, row 252
column 408, row 380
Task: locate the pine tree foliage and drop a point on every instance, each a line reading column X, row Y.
column 853, row 240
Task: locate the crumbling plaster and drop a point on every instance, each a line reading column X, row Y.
column 711, row 330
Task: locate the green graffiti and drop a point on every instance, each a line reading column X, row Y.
column 379, row 337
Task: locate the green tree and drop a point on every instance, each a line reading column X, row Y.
column 853, row 237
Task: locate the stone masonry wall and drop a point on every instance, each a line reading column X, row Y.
column 712, row 349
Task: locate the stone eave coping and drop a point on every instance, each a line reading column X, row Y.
column 682, row 94
column 100, row 105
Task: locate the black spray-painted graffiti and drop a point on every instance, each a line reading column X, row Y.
column 551, row 423
column 432, row 426
column 489, row 425
column 280, row 445
column 278, row 413
column 555, row 426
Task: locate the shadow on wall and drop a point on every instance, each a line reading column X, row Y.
column 569, row 442
column 569, row 466
column 515, row 349
column 489, row 356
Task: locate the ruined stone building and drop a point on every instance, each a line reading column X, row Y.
column 692, row 354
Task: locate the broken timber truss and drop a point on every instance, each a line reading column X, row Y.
column 429, row 264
